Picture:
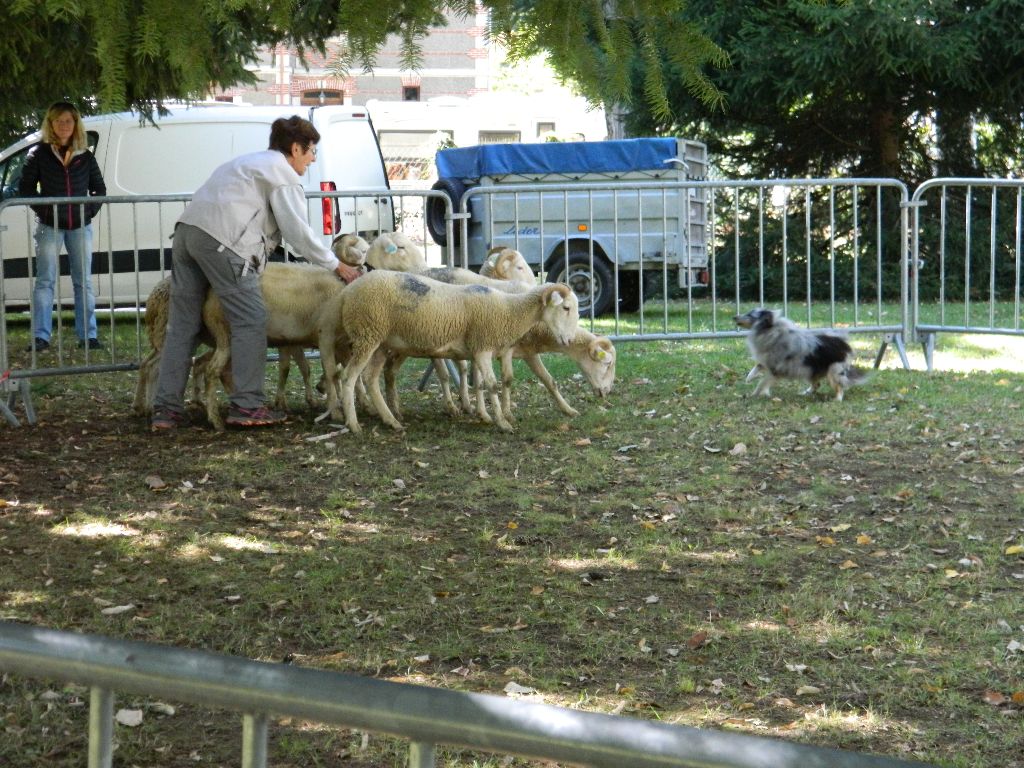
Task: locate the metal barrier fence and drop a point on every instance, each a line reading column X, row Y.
column 833, row 252
column 425, row 716
column 967, row 245
column 668, row 260
column 131, row 254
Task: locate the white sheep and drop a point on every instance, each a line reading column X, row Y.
column 397, row 251
column 415, row 316
column 507, row 264
column 594, row 355
column 293, row 294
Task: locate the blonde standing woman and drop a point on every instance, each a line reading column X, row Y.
column 61, row 165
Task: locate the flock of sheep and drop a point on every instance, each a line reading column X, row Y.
column 398, row 310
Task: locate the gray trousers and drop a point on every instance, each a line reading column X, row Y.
column 200, row 262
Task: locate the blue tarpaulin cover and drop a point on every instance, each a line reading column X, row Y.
column 614, row 156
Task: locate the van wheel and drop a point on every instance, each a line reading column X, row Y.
column 575, row 272
column 453, row 188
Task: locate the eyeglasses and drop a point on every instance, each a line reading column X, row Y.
column 312, row 149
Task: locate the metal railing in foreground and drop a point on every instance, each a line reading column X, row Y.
column 425, row 716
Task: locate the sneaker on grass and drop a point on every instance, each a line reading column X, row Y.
column 253, row 417
column 164, row 419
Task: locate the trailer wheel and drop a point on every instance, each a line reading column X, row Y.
column 436, row 210
column 575, row 272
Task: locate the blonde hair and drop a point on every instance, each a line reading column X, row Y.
column 78, row 138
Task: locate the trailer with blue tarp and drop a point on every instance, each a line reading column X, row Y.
column 609, row 218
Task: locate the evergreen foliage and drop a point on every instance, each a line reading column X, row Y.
column 107, row 55
column 888, row 89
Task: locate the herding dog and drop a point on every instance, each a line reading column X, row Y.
column 783, row 350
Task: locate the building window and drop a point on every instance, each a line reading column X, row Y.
column 499, row 137
column 545, row 129
column 410, row 93
column 225, row 98
column 320, row 96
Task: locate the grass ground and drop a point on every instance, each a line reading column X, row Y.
column 844, row 574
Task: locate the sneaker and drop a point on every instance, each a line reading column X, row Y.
column 38, row 345
column 253, row 417
column 93, row 344
column 164, row 419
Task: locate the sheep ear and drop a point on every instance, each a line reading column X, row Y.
column 556, row 296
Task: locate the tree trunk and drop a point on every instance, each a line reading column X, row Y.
column 955, row 134
column 885, row 138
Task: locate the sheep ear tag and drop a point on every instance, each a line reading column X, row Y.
column 601, row 354
column 391, row 248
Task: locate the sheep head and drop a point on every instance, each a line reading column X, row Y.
column 507, row 264
column 599, row 365
column 395, row 251
column 350, row 249
column 561, row 312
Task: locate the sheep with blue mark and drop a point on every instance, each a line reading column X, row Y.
column 414, row 316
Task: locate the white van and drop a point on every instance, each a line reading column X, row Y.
column 174, row 157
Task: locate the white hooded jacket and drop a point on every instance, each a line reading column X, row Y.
column 250, row 202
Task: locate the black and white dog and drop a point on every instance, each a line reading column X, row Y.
column 783, row 350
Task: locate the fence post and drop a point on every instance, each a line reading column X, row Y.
column 101, row 727
column 254, row 741
column 421, row 755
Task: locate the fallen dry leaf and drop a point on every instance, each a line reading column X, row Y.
column 847, row 565
column 995, row 698
column 695, row 642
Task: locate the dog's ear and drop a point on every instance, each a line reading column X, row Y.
column 765, row 318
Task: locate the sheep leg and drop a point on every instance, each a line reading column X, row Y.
column 537, row 366
column 358, row 360
column 145, row 388
column 445, row 380
column 372, row 372
column 394, row 362
column 467, row 404
column 287, row 355
column 486, row 381
column 506, row 385
column 213, row 370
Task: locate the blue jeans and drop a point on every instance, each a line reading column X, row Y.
column 79, row 245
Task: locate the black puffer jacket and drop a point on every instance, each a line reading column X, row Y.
column 44, row 175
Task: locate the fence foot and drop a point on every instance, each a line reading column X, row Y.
column 14, row 389
column 928, row 344
column 896, row 339
column 452, row 371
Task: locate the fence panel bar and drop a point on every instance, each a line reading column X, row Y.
column 101, row 727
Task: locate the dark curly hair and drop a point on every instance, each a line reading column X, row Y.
column 286, row 131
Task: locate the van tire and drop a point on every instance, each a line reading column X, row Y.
column 575, row 272
column 454, row 189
